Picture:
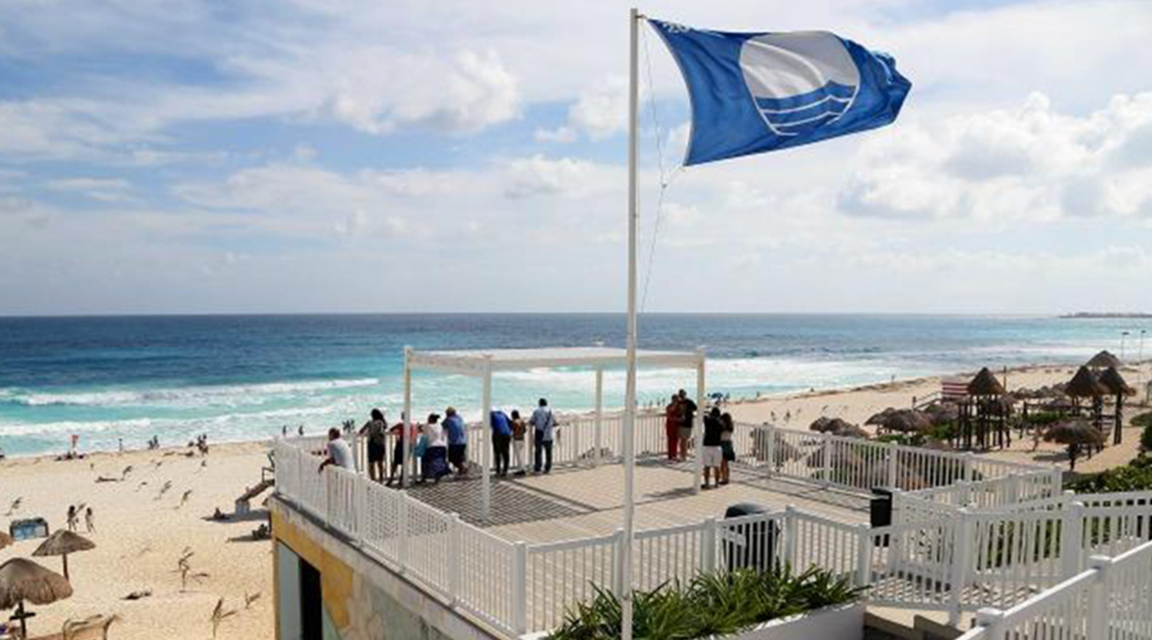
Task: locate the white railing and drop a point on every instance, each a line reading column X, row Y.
column 859, row 465
column 466, row 566
column 936, row 554
column 1112, row 600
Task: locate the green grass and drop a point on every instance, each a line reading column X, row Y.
column 711, row 604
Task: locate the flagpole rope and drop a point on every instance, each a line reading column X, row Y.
column 666, row 180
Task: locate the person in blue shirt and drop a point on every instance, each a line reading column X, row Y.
column 501, row 440
column 457, row 440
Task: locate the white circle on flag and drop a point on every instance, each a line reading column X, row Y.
column 799, row 81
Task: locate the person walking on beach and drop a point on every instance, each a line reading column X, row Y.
column 727, row 451
column 90, row 520
column 519, row 430
column 376, row 430
column 687, row 418
column 501, row 439
column 712, row 456
column 457, row 441
column 434, row 457
column 544, row 426
column 339, row 453
column 73, row 517
column 672, row 427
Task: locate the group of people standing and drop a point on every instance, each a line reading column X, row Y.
column 441, row 445
column 717, row 452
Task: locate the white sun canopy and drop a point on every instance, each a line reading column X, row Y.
column 482, row 363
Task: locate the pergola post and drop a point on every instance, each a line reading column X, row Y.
column 486, row 440
column 599, row 415
column 699, row 427
column 408, row 466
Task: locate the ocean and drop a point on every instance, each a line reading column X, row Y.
column 246, row 377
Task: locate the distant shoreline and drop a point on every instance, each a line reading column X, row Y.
column 1085, row 315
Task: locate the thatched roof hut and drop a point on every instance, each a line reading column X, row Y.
column 61, row 543
column 1085, row 385
column 1075, row 434
column 985, row 384
column 22, row 580
column 1103, row 360
column 1115, row 383
column 907, row 421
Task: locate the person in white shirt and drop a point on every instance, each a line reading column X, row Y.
column 434, row 462
column 339, row 453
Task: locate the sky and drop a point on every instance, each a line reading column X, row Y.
column 419, row 155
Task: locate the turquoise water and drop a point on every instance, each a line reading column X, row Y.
column 246, row 377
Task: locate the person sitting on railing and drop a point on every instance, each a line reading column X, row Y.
column 434, row 461
column 501, row 439
column 519, row 431
column 457, row 441
column 339, row 453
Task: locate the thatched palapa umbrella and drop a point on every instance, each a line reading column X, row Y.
column 878, row 419
column 61, row 544
column 1116, row 385
column 22, row 580
column 1085, row 385
column 907, row 421
column 1104, row 360
column 1076, row 434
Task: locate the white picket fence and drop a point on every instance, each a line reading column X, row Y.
column 1111, row 600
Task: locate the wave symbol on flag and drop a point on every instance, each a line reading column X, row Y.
column 799, row 81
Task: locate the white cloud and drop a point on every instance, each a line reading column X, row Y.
column 1028, row 163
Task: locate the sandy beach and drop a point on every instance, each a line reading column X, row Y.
column 141, row 533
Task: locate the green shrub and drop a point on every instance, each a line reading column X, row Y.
column 1146, row 439
column 1042, row 418
column 711, row 604
column 1136, row 476
column 1143, row 420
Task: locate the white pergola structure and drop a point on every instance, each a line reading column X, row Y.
column 483, row 363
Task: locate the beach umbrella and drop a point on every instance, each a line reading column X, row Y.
column 1075, row 434
column 1085, row 385
column 1103, row 360
column 5, row 540
column 848, row 430
column 985, row 384
column 878, row 419
column 61, row 544
column 22, row 580
column 907, row 421
column 1115, row 383
column 942, row 413
column 820, row 425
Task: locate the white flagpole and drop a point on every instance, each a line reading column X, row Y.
column 630, row 387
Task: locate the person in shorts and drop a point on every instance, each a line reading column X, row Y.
column 376, row 431
column 712, row 455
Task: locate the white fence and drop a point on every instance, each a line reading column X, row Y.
column 1112, row 600
column 858, row 465
column 993, row 542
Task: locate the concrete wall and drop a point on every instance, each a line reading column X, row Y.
column 362, row 599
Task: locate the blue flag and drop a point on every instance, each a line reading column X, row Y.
column 757, row 92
